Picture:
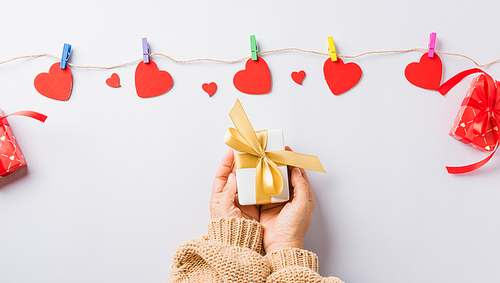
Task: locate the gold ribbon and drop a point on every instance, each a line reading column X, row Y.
column 268, row 177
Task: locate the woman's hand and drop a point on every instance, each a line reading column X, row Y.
column 286, row 224
column 224, row 201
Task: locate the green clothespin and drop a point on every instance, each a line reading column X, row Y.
column 253, row 46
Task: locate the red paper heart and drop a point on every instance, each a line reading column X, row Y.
column 113, row 81
column 426, row 73
column 298, row 77
column 255, row 79
column 149, row 81
column 341, row 77
column 209, row 88
column 55, row 84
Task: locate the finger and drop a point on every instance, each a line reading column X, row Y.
column 311, row 194
column 248, row 210
column 302, row 194
column 301, row 187
column 223, row 172
column 228, row 193
column 304, row 174
column 289, row 167
column 271, row 206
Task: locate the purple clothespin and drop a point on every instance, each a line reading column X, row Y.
column 432, row 44
column 145, row 50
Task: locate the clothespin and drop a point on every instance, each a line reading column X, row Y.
column 253, row 46
column 65, row 56
column 331, row 49
column 145, row 50
column 432, row 44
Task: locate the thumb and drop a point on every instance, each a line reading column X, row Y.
column 300, row 187
column 228, row 192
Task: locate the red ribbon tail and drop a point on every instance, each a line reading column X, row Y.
column 471, row 167
column 449, row 84
column 31, row 114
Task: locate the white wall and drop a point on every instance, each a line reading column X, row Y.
column 115, row 182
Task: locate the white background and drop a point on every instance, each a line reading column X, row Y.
column 116, row 182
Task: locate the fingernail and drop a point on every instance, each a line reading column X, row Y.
column 231, row 177
column 297, row 171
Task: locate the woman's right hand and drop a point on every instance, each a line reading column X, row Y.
column 224, row 201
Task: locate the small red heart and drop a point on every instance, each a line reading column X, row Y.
column 298, row 77
column 341, row 77
column 113, row 81
column 149, row 81
column 426, row 73
column 254, row 79
column 209, row 88
column 55, row 84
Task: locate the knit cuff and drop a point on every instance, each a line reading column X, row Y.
column 238, row 232
column 280, row 259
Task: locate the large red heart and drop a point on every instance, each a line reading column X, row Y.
column 149, row 81
column 255, row 79
column 341, row 77
column 426, row 73
column 55, row 84
column 209, row 88
column 298, row 77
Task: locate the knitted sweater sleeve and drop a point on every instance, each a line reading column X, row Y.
column 295, row 265
column 230, row 252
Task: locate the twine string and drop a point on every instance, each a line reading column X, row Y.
column 248, row 57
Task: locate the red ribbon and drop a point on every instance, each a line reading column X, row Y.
column 471, row 167
column 489, row 110
column 449, row 84
column 31, row 114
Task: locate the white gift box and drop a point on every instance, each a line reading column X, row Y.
column 245, row 177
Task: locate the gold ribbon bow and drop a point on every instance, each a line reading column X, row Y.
column 268, row 177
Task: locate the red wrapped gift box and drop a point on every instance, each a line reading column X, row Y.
column 11, row 157
column 470, row 114
column 478, row 120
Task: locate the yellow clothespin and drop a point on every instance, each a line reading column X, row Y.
column 331, row 49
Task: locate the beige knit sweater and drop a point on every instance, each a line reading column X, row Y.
column 232, row 252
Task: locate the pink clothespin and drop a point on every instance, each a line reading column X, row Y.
column 432, row 44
